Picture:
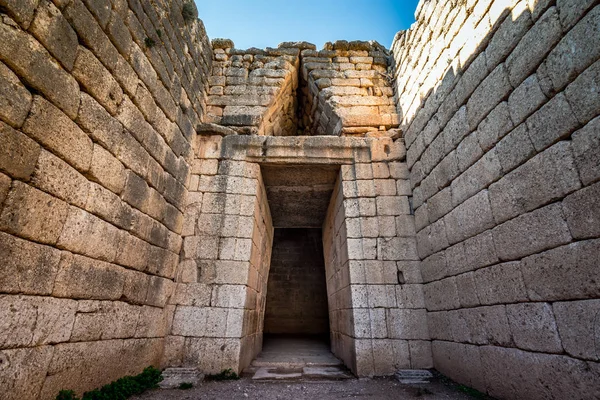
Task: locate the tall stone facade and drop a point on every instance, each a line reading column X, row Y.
column 500, row 106
column 458, row 197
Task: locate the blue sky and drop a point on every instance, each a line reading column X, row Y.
column 264, row 23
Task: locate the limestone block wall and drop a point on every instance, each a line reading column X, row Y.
column 98, row 100
column 225, row 259
column 347, row 90
column 499, row 103
column 376, row 306
column 254, row 91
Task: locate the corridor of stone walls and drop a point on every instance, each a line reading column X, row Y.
column 296, row 289
column 155, row 184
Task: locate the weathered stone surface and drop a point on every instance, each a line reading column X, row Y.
column 533, row 327
column 551, row 123
column 508, row 35
column 52, row 30
column 98, row 81
column 581, row 94
column 525, row 99
column 586, row 143
column 530, row 233
column 87, row 234
column 582, row 212
column 487, row 96
column 460, row 362
column 567, row 272
column 15, row 99
column 515, row 148
column 33, row 214
column 575, row 52
column 479, row 176
column 501, row 283
column 19, row 155
column 58, row 178
column 30, row 321
column 544, row 178
column 494, row 126
column 577, row 323
column 534, row 46
column 488, row 325
column 86, row 278
column 24, row 371
column 470, row 218
column 407, row 324
column 34, row 64
column 30, row 268
column 107, row 170
column 59, row 134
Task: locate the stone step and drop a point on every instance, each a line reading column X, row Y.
column 306, row 373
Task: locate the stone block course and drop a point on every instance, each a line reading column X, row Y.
column 582, row 212
column 53, row 129
column 581, row 94
column 20, row 153
column 97, row 80
column 58, row 178
column 544, row 178
column 15, row 99
column 566, row 272
column 530, row 233
column 551, row 123
column 52, row 30
column 33, row 214
column 32, row 62
column 533, row 327
column 575, row 52
column 576, row 322
column 534, row 46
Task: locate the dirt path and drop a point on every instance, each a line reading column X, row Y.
column 245, row 388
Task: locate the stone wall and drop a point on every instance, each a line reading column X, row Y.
column 376, row 308
column 254, row 91
column 98, row 103
column 499, row 104
column 346, row 89
column 225, row 259
column 296, row 290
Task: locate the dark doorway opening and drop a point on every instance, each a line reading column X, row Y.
column 297, row 290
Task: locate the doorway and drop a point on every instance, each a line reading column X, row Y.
column 296, row 321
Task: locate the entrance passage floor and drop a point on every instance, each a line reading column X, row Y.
column 295, row 352
column 295, row 357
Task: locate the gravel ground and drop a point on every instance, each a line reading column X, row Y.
column 379, row 388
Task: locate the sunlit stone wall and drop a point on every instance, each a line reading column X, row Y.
column 499, row 106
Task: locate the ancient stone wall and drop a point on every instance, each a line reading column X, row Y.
column 254, row 91
column 499, row 105
column 376, row 308
column 98, row 104
column 346, row 89
column 221, row 286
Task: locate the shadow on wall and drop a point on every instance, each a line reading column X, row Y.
column 500, row 105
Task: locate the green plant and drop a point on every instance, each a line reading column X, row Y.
column 472, row 392
column 225, row 375
column 149, row 42
column 120, row 389
column 186, row 386
column 189, row 12
column 159, row 33
column 66, row 395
